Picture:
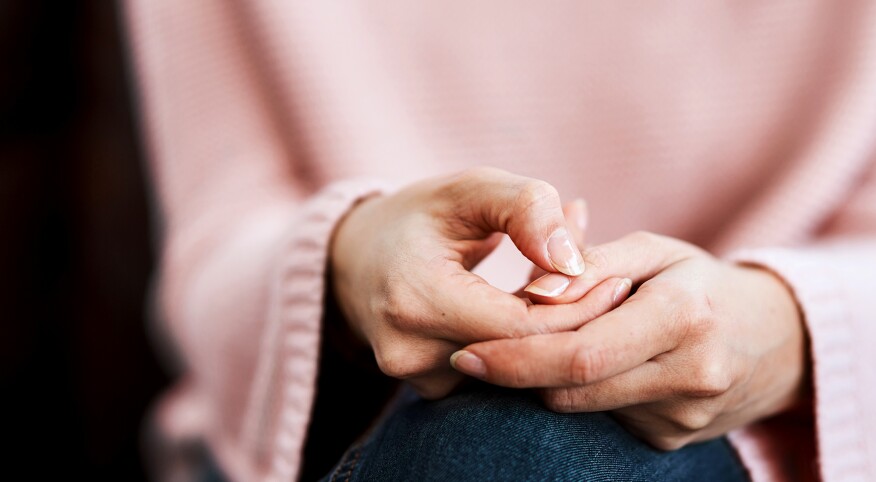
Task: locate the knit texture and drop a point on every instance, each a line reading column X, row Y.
column 748, row 128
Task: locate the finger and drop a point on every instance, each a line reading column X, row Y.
column 526, row 209
column 405, row 357
column 617, row 341
column 646, row 383
column 419, row 361
column 435, row 385
column 648, row 423
column 478, row 311
column 638, row 256
column 671, row 424
column 605, row 297
column 552, row 289
column 552, row 286
column 577, row 218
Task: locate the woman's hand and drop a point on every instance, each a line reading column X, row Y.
column 401, row 271
column 700, row 348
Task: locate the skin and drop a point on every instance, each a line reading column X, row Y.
column 401, row 271
column 700, row 348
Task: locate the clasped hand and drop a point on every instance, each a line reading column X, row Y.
column 700, row 347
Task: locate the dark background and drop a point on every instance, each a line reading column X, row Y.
column 76, row 251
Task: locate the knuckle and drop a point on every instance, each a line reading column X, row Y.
column 691, row 419
column 483, row 172
column 393, row 310
column 711, row 379
column 558, row 400
column 431, row 391
column 596, row 257
column 470, row 179
column 645, row 238
column 398, row 363
column 534, row 193
column 667, row 443
column 586, row 365
column 515, row 375
column 695, row 310
column 667, row 296
column 400, row 310
column 459, row 185
column 679, row 249
column 512, row 331
column 519, row 323
column 665, row 242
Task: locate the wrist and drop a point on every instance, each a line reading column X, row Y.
column 344, row 257
column 781, row 307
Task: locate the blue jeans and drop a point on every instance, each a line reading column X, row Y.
column 490, row 433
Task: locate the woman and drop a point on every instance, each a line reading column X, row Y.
column 742, row 134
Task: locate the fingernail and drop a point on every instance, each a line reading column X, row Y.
column 549, row 285
column 581, row 215
column 563, row 253
column 468, row 363
column 622, row 288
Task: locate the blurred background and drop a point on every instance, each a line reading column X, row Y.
column 76, row 251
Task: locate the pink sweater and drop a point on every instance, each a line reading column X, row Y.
column 748, row 128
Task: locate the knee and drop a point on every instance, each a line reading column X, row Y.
column 488, row 433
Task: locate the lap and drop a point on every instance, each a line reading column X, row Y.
column 490, row 433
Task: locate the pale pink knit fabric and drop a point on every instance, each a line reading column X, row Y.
column 748, row 128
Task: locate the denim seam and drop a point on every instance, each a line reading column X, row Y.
column 349, row 475
column 347, row 465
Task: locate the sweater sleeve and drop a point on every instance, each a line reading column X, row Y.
column 245, row 234
column 832, row 280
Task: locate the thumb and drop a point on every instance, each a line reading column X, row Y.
column 577, row 218
column 527, row 210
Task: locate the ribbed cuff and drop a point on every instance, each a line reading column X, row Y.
column 819, row 280
column 279, row 412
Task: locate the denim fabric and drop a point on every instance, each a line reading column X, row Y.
column 490, row 433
